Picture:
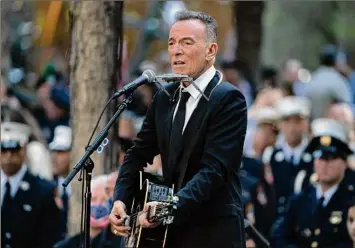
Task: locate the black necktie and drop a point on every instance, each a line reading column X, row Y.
column 6, row 203
column 318, row 212
column 176, row 136
column 292, row 159
column 320, row 203
column 179, row 119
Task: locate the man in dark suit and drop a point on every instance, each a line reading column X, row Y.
column 60, row 149
column 317, row 216
column 29, row 214
column 200, row 142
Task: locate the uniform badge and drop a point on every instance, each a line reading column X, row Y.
column 279, row 157
column 25, row 186
column 351, row 188
column 307, row 157
column 314, row 178
column 317, row 232
column 336, row 217
column 325, row 140
column 27, row 208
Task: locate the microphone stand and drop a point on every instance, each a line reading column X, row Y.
column 87, row 165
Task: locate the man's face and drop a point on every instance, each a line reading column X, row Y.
column 293, row 127
column 351, row 223
column 264, row 136
column 189, row 51
column 331, row 171
column 60, row 161
column 99, row 195
column 12, row 160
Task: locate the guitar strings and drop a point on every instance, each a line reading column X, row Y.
column 156, row 208
column 136, row 215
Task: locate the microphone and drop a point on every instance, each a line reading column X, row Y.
column 147, row 76
column 173, row 77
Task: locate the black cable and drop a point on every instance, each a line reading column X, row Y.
column 98, row 121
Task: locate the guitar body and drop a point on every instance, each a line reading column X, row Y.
column 147, row 237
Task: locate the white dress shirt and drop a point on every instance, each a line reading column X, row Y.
column 14, row 181
column 327, row 194
column 195, row 96
column 296, row 152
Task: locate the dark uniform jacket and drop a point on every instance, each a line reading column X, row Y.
column 33, row 217
column 284, row 174
column 307, row 225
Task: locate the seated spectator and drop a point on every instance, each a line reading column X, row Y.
column 54, row 109
column 100, row 232
column 342, row 112
column 60, row 149
column 262, row 131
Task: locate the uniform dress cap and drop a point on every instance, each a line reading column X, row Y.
column 292, row 105
column 267, row 115
column 62, row 140
column 14, row 132
column 59, row 94
column 329, row 133
column 329, row 127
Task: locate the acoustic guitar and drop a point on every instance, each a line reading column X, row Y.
column 150, row 191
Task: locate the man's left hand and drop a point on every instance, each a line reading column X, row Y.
column 142, row 219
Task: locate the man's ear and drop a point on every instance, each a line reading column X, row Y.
column 211, row 51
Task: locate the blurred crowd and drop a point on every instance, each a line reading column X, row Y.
column 298, row 150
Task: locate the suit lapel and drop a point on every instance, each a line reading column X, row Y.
column 24, row 188
column 192, row 127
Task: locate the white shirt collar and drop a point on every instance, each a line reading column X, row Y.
column 14, row 180
column 202, row 82
column 327, row 195
column 295, row 151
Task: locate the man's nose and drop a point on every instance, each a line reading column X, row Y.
column 177, row 49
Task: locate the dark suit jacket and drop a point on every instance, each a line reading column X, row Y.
column 34, row 218
column 208, row 186
column 301, row 228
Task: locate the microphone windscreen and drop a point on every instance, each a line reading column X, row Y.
column 150, row 75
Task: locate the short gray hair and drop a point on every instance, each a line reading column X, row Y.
column 209, row 21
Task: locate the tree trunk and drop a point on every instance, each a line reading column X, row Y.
column 92, row 68
column 248, row 16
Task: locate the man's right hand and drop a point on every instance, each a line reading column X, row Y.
column 117, row 217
